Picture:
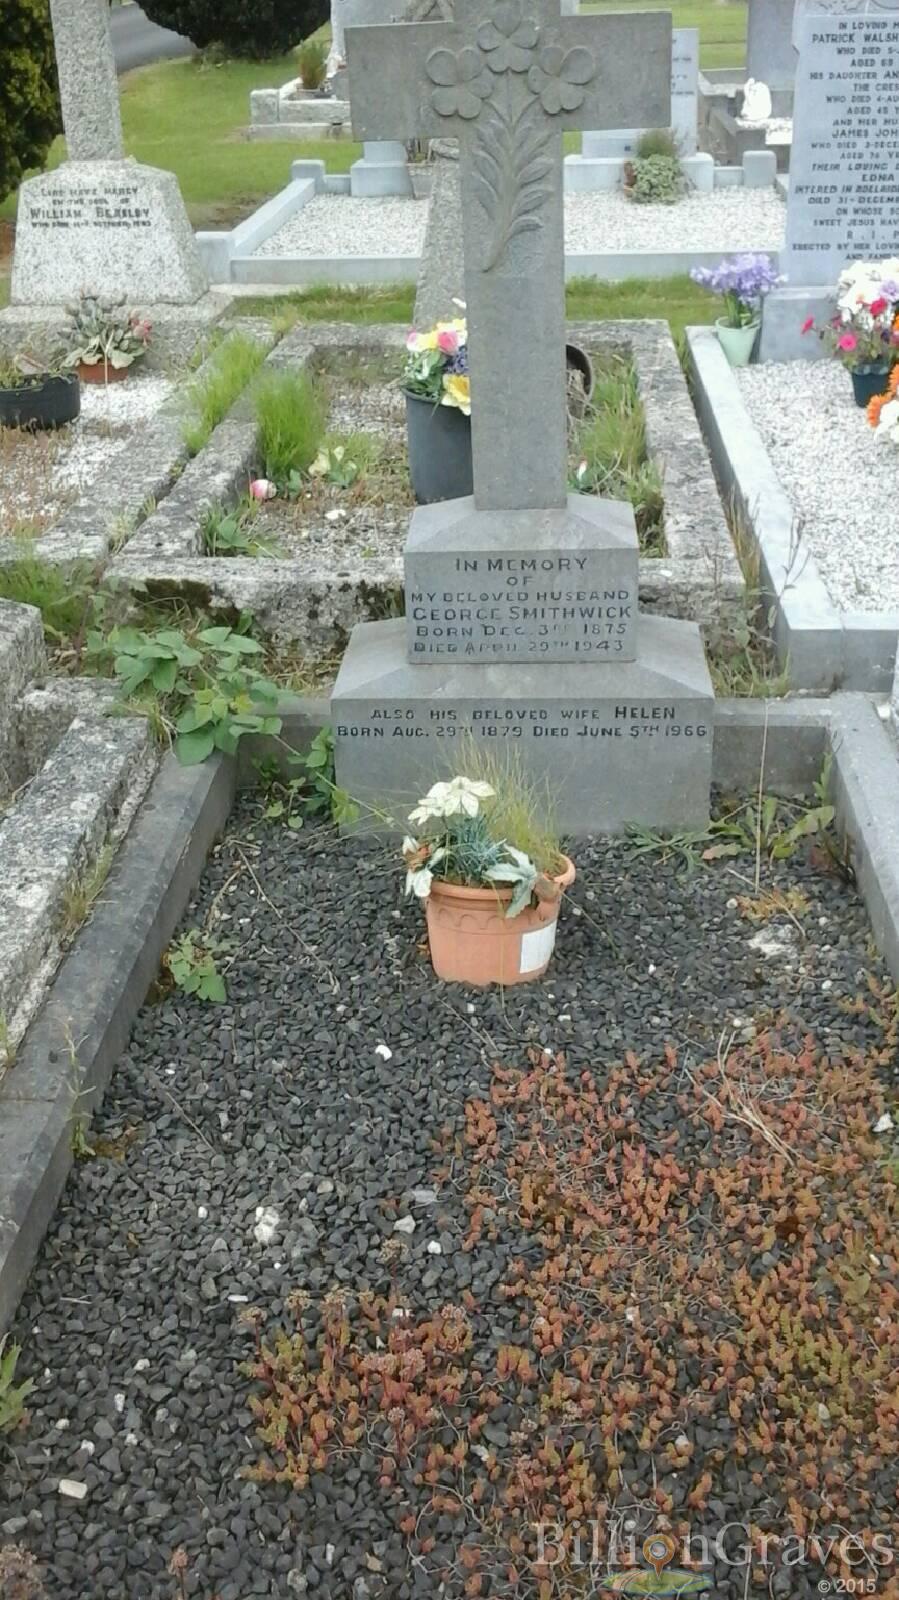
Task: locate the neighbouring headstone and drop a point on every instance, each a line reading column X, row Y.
column 844, row 178
column 612, row 142
column 521, row 623
column 382, row 168
column 894, row 703
column 770, row 53
column 100, row 223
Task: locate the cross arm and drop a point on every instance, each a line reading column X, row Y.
column 632, row 86
column 388, row 82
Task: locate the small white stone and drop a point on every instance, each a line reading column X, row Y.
column 884, row 1123
column 731, row 903
column 62, row 1423
column 335, row 515
column 823, row 1413
column 267, row 1224
column 630, row 1314
column 424, row 1197
column 651, row 969
column 564, row 1017
column 384, row 1052
column 72, row 1489
column 435, row 1248
column 131, row 1438
column 238, row 1299
column 404, row 1225
column 682, row 1442
column 88, row 1446
column 481, row 1451
column 470, row 1009
column 325, row 1187
column 202, row 1213
column 329, row 1554
column 827, row 985
column 142, row 1365
column 119, row 1403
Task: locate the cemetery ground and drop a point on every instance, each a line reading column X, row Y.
column 358, row 1281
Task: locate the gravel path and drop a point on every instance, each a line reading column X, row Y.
column 343, row 1094
column 727, row 219
column 843, row 485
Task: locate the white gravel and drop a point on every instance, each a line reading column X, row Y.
column 338, row 225
column 843, row 485
column 725, row 220
column 110, row 415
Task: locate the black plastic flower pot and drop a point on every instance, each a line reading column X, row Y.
column 439, row 451
column 868, row 382
column 48, row 402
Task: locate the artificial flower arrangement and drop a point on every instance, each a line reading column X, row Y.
column 492, row 875
column 437, row 366
column 883, row 411
column 742, row 281
column 102, row 335
column 864, row 331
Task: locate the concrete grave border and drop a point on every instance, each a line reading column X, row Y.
column 823, row 648
column 699, row 579
column 229, row 257
column 164, row 855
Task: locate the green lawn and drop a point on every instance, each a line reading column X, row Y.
column 721, row 24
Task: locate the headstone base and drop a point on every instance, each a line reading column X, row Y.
column 107, row 228
column 382, row 170
column 784, row 313
column 614, row 744
column 176, row 329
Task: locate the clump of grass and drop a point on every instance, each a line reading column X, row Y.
column 657, row 142
column 290, row 413
column 611, row 447
column 210, row 397
column 81, row 892
column 64, row 596
column 522, row 812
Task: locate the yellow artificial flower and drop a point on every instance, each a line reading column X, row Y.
column 457, row 392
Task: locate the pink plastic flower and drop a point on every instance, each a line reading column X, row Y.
column 448, row 342
column 412, row 340
column 263, row 489
column 848, row 341
column 808, row 324
column 878, row 306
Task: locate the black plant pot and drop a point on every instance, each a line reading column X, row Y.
column 439, row 437
column 869, row 381
column 439, row 451
column 48, row 402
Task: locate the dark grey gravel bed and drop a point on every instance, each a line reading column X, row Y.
column 281, row 1098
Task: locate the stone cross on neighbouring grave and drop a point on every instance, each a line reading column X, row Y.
column 88, row 85
column 508, row 79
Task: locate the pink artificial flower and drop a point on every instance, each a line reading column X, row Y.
column 808, row 324
column 412, row 340
column 448, row 342
column 263, row 489
column 847, row 342
column 878, row 306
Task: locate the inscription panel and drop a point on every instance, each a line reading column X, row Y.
column 844, row 185
column 122, row 206
column 530, row 607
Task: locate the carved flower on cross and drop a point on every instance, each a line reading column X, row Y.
column 462, row 80
column 560, row 77
column 508, row 38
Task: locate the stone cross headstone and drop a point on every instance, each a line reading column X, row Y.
column 521, row 625
column 843, row 201
column 100, row 224
column 770, row 52
column 508, row 86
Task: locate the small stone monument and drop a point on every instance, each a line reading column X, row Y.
column 617, row 142
column 521, row 601
column 757, row 105
column 843, row 200
column 100, row 223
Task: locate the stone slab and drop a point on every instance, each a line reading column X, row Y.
column 770, row 53
column 110, row 228
column 22, row 657
column 843, row 202
column 615, row 744
column 522, row 586
column 51, row 835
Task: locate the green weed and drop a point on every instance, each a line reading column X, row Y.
column 210, row 397
column 290, row 412
column 12, row 1395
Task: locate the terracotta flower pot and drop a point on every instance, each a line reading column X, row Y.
column 472, row 941
column 101, row 372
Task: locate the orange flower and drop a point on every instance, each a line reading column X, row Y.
column 874, row 407
column 893, row 384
